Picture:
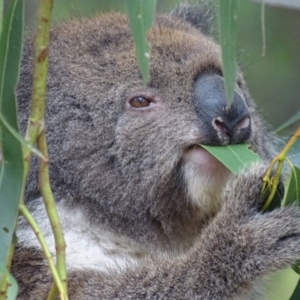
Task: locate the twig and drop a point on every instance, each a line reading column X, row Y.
column 272, row 182
column 47, row 195
column 11, row 251
column 41, row 59
column 26, row 214
column 3, row 287
column 53, row 292
column 4, row 284
column 35, row 132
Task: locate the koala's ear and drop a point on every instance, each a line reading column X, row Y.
column 199, row 15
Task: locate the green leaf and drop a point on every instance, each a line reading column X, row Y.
column 234, row 157
column 296, row 267
column 1, row 15
column 11, row 177
column 141, row 15
column 296, row 294
column 280, row 285
column 292, row 187
column 294, row 155
column 15, row 133
column 228, row 41
column 12, row 283
column 292, row 4
column 292, row 120
column 276, row 201
column 292, row 194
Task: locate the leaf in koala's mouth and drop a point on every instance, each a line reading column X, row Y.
column 234, row 157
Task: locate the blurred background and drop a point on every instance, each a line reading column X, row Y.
column 274, row 80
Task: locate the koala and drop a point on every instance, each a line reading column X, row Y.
column 147, row 213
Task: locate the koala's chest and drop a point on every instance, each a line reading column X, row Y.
column 88, row 246
column 102, row 253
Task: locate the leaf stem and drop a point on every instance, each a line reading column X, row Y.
column 4, row 283
column 3, row 287
column 53, row 292
column 35, row 133
column 40, row 72
column 18, row 137
column 27, row 215
column 44, row 183
column 272, row 182
column 11, row 251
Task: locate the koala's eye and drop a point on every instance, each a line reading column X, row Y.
column 140, row 102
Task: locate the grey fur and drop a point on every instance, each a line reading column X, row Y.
column 200, row 16
column 123, row 169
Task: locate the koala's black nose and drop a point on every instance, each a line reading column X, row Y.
column 222, row 125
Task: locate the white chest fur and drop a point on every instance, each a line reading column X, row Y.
column 88, row 246
column 91, row 247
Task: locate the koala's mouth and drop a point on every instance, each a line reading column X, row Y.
column 205, row 164
column 205, row 179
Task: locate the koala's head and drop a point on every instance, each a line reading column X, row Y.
column 128, row 151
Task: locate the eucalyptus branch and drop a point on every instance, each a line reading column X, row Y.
column 40, row 72
column 47, row 195
column 11, row 252
column 272, row 182
column 35, row 133
column 4, row 284
column 26, row 214
column 53, row 292
column 3, row 287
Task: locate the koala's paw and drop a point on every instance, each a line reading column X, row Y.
column 270, row 240
column 276, row 237
column 243, row 195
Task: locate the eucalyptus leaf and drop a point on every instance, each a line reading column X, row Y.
column 141, row 16
column 295, row 159
column 12, row 283
column 296, row 267
column 12, row 169
column 18, row 136
column 292, row 4
column 292, row 187
column 234, row 157
column 289, row 122
column 276, row 201
column 294, row 153
column 291, row 195
column 1, row 15
column 296, row 294
column 228, row 40
column 281, row 285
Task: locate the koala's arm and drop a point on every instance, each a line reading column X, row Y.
column 237, row 248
